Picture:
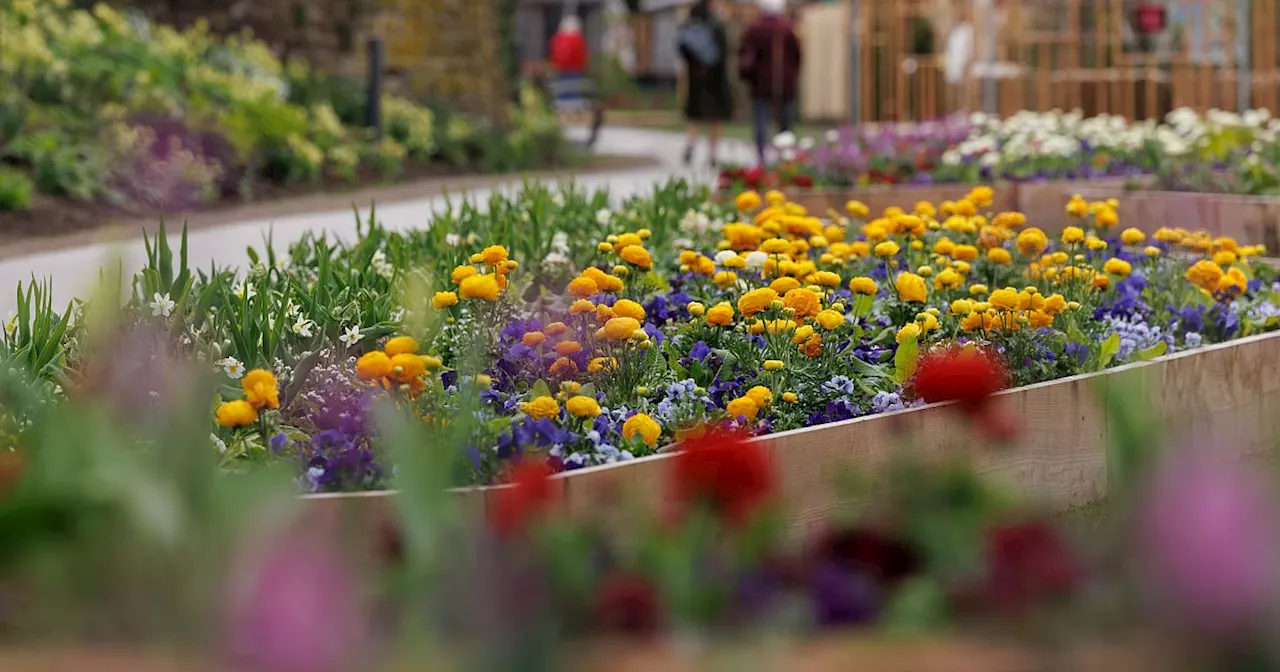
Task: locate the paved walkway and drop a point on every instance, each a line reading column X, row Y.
column 74, row 270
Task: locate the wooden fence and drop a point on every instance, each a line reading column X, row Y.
column 1036, row 55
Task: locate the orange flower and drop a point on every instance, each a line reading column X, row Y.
column 803, row 301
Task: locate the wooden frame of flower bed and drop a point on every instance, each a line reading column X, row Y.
column 1044, row 203
column 1248, row 219
column 1224, row 392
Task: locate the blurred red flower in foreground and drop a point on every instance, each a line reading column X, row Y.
column 1027, row 563
column 529, row 492
column 967, row 377
column 723, row 470
column 627, row 603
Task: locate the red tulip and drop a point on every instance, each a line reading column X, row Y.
column 529, row 492
column 725, row 471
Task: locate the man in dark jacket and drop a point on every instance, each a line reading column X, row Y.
column 769, row 63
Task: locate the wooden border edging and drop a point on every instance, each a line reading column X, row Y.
column 1248, row 219
column 1224, row 392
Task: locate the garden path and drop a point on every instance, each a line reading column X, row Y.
column 75, row 269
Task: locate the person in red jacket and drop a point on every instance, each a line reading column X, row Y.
column 769, row 63
column 568, row 56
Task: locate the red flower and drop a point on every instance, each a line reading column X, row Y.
column 725, row 471
column 963, row 376
column 627, row 603
column 887, row 559
column 802, row 180
column 1027, row 563
column 528, row 493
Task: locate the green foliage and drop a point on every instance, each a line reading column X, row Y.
column 16, row 190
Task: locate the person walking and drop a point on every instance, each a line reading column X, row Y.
column 568, row 56
column 708, row 102
column 769, row 64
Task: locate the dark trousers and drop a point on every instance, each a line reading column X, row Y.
column 763, row 110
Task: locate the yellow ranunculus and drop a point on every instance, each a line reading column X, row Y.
column 720, row 315
column 443, row 300
column 620, row 328
column 261, row 389
column 1031, row 242
column 743, row 407
column 965, row 252
column 862, row 285
column 462, row 273
column 643, row 426
column 857, row 209
column 583, row 287
column 908, row 331
column 784, row 285
column 887, row 249
column 582, row 306
column 773, row 364
column 747, row 201
column 948, row 279
column 400, row 345
column 493, row 255
column 1004, row 299
column 238, row 413
column 483, row 287
column 756, row 301
column 373, row 366
column 405, row 367
column 761, row 395
column 541, row 408
column 962, row 307
column 1205, row 274
column 1118, row 267
column 1072, row 235
column 1224, row 257
column 1132, row 236
column 1077, row 206
column 582, row 406
column 628, row 308
column 830, row 319
column 911, row 287
column 637, row 256
column 803, row 301
column 999, row 255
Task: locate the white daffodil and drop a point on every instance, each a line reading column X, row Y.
column 243, row 291
column 219, row 444
column 351, row 336
column 452, row 239
column 604, row 216
column 162, row 305
column 303, row 327
column 233, row 367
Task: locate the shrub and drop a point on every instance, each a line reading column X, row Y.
column 16, row 190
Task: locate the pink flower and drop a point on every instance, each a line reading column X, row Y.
column 294, row 607
column 1209, row 543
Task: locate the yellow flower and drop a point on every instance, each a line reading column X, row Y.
column 1118, row 267
column 541, row 408
column 238, row 413
column 533, row 338
column 1094, row 243
column 965, row 252
column 1106, row 218
column 461, row 273
column 790, row 397
column 443, row 300
column 432, row 362
column 761, row 395
column 948, row 279
column 784, row 285
column 1004, row 299
column 406, row 366
column 977, row 290
column 1031, row 242
column 493, row 255
column 961, row 307
column 928, row 322
column 742, row 407
column 627, row 240
column 1151, row 251
column 908, row 331
column 747, row 201
column 637, row 256
column 999, row 255
column 582, row 406
column 925, row 271
column 1077, row 206
column 1072, row 235
column 887, row 249
column 582, row 306
column 862, row 285
column 604, row 248
column 261, row 389
column 400, row 345
column 621, row 328
column 756, row 301
column 724, row 278
column 583, row 287
column 857, row 209
column 773, row 364
column 1224, row 257
column 373, row 366
column 1054, row 304
column 1132, row 236
column 982, row 195
column 966, row 208
column 696, row 309
column 911, row 287
column 830, row 319
column 1205, row 274
column 643, row 426
column 483, row 287
column 628, row 308
column 720, row 314
column 826, row 279
column 803, row 301
column 602, row 364
column 1101, row 281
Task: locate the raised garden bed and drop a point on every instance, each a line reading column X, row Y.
column 1254, row 218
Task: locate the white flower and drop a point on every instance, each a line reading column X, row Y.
column 233, row 367
column 806, row 143
column 755, row 260
column 291, row 309
column 161, row 305
column 681, row 244
column 784, row 140
column 557, row 198
column 303, row 327
column 243, row 291
column 380, row 265
column 725, row 255
column 351, row 336
column 452, row 239
column 397, row 314
column 281, row 264
column 831, row 135
column 604, row 216
column 218, row 443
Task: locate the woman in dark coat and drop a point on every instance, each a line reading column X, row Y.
column 708, row 100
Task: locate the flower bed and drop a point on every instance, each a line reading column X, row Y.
column 1247, row 217
column 95, row 98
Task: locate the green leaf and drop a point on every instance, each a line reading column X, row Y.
column 1109, row 349
column 588, row 390
column 539, row 389
column 1154, row 351
column 918, row 606
column 862, row 304
column 904, row 361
